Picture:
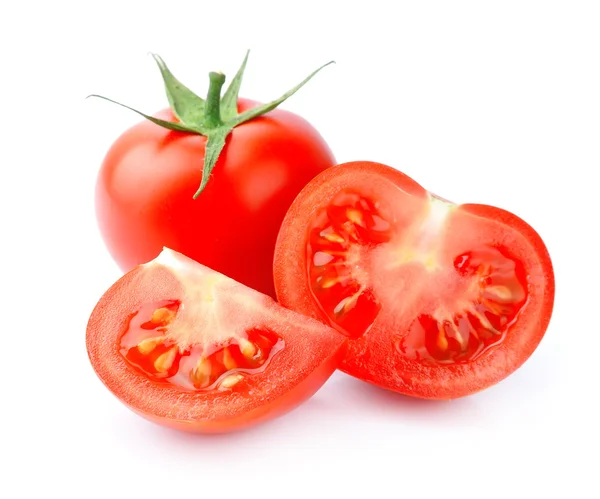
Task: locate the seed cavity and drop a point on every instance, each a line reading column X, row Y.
column 228, row 360
column 341, row 236
column 195, row 367
column 459, row 338
column 348, row 302
column 499, row 292
column 322, row 258
column 380, row 224
column 440, row 337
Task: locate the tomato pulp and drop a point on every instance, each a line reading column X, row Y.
column 439, row 300
column 189, row 348
column 146, row 184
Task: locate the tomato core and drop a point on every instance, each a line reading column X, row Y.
column 448, row 309
column 151, row 347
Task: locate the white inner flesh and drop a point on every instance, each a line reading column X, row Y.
column 420, row 241
column 214, row 308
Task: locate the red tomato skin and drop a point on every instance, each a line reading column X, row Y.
column 369, row 357
column 145, row 187
column 286, row 403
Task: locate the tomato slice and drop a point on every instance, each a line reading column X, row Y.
column 438, row 300
column 192, row 349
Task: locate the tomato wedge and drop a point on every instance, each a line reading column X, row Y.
column 438, row 300
column 189, row 348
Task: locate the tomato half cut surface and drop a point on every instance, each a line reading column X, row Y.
column 438, row 300
column 192, row 349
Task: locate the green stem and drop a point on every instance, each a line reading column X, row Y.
column 215, row 117
column 212, row 106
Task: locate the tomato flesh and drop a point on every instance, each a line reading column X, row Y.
column 148, row 345
column 189, row 348
column 232, row 226
column 433, row 296
column 342, row 240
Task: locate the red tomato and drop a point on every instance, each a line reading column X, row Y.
column 191, row 349
column 439, row 300
column 145, row 189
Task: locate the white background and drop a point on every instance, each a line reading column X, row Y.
column 490, row 102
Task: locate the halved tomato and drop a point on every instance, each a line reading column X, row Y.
column 189, row 348
column 439, row 300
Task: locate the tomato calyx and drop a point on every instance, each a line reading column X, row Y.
column 214, row 117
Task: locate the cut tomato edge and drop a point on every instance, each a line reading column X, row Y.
column 285, row 403
column 112, row 369
column 315, row 191
column 432, row 382
column 296, row 294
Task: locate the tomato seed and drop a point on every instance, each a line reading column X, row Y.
column 162, row 316
column 442, row 341
column 329, row 282
column 484, row 321
column 200, row 376
column 247, row 348
column 355, row 216
column 334, row 237
column 164, row 362
column 501, row 292
column 231, row 380
column 146, row 346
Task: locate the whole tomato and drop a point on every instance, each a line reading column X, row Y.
column 250, row 161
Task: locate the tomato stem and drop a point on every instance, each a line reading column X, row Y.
column 212, row 106
column 215, row 117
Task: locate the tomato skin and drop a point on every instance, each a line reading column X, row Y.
column 288, row 401
column 371, row 356
column 146, row 182
column 311, row 353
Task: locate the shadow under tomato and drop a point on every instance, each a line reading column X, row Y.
column 301, row 420
column 357, row 395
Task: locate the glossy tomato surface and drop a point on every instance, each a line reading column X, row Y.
column 439, row 300
column 189, row 348
column 150, row 174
